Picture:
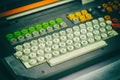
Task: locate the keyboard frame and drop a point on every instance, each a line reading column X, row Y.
column 44, row 71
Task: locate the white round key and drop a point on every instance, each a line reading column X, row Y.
column 69, row 42
column 26, row 45
column 82, row 26
column 62, row 33
column 48, row 56
column 96, row 26
column 77, row 45
column 32, row 62
column 69, row 30
column 97, row 38
column 102, row 30
column 63, row 50
column 55, row 47
column 76, row 39
column 89, row 23
column 83, row 37
column 47, row 49
column 18, row 54
column 63, row 38
column 26, row 51
column 89, row 34
column 91, row 40
column 56, row 53
column 49, row 43
column 34, row 43
column 90, row 29
column 56, row 40
column 101, row 19
column 70, row 36
column 19, row 48
column 41, row 46
column 24, row 58
column 95, row 21
column 76, row 28
column 62, row 44
column 40, row 53
column 104, row 35
column 76, row 33
column 34, row 48
column 55, row 35
column 109, row 28
column 32, row 55
column 103, row 24
column 96, row 32
column 83, row 31
column 40, row 59
column 84, row 43
column 48, row 37
column 109, row 22
column 70, row 48
column 41, row 40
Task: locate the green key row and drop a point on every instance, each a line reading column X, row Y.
column 34, row 28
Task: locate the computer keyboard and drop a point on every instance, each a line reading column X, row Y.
column 66, row 44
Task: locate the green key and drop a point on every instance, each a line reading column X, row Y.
column 24, row 31
column 17, row 34
column 45, row 25
column 9, row 36
column 52, row 22
column 59, row 20
column 38, row 27
column 31, row 29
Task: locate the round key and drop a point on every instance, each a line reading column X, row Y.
column 34, row 48
column 111, row 33
column 48, row 37
column 70, row 36
column 90, row 29
column 76, row 33
column 40, row 53
column 69, row 30
column 102, row 24
column 62, row 33
column 26, row 45
column 76, row 28
column 48, row 56
column 97, row 38
column 89, row 23
column 84, row 43
column 83, row 31
column 63, row 50
column 21, row 38
column 13, row 41
column 49, row 29
column 34, row 43
column 91, row 40
column 96, row 32
column 32, row 55
column 24, row 31
column 19, row 48
column 24, row 58
column 76, row 20
column 26, row 51
column 95, row 21
column 70, row 48
column 40, row 59
column 55, row 53
column 55, row 47
column 56, row 27
column 49, row 43
column 109, row 28
column 109, row 22
column 28, row 36
column 82, row 26
column 101, row 19
column 76, row 39
column 32, row 62
column 62, row 44
column 41, row 46
column 89, row 34
column 56, row 40
column 41, row 40
column 47, row 50
column 69, row 42
column 77, row 45
column 63, row 24
column 18, row 54
column 104, row 35
column 63, row 38
column 102, row 30
column 43, row 31
column 55, row 35
column 36, row 33
column 83, row 37
column 96, row 26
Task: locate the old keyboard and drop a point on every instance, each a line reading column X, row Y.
column 65, row 44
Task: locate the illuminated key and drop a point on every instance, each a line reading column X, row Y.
column 71, row 16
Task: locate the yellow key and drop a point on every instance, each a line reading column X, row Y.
column 107, row 17
column 82, row 18
column 109, row 9
column 105, row 5
column 84, row 12
column 78, row 14
column 71, row 16
column 88, row 16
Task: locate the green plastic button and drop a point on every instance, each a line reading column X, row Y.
column 17, row 34
column 52, row 22
column 59, row 20
column 31, row 29
column 45, row 25
column 24, row 31
column 38, row 27
column 9, row 36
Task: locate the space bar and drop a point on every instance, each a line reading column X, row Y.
column 76, row 53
